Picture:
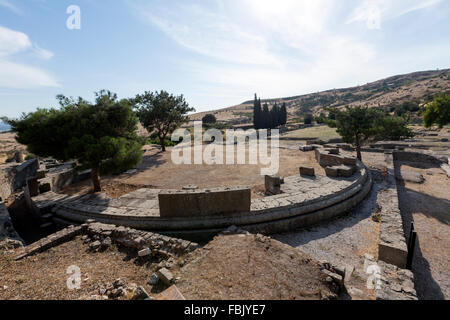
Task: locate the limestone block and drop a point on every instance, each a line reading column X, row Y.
column 331, row 172
column 165, row 276
column 197, row 203
column 307, row 171
column 306, row 148
column 273, row 185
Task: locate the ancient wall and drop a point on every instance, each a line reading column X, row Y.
column 198, row 203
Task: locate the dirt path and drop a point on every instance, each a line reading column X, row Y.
column 428, row 205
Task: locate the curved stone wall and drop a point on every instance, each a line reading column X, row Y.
column 304, row 201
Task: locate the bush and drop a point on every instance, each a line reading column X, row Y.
column 209, row 118
column 308, row 118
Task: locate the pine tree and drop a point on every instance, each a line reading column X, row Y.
column 283, row 114
column 266, row 117
column 275, row 116
column 257, row 113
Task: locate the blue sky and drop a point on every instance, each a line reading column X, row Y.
column 218, row 53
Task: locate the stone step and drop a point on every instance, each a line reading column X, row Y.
column 46, row 225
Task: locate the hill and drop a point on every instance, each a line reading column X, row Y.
column 418, row 87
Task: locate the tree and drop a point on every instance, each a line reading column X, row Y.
column 354, row 125
column 161, row 112
column 274, row 116
column 438, row 112
column 360, row 124
column 257, row 113
column 265, row 118
column 101, row 136
column 308, row 118
column 209, row 118
column 283, row 114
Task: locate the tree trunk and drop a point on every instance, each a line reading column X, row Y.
column 358, row 149
column 162, row 141
column 96, row 180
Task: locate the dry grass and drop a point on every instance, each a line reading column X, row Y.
column 43, row 277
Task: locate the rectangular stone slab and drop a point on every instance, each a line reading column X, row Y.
column 198, row 203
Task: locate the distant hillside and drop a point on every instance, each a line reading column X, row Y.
column 419, row 87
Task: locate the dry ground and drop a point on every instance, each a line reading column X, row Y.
column 158, row 171
column 228, row 268
column 428, row 205
column 43, row 276
column 8, row 146
column 319, row 132
column 251, row 267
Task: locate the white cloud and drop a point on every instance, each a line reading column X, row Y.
column 7, row 4
column 276, row 48
column 12, row 42
column 19, row 76
column 206, row 32
column 374, row 12
column 16, row 75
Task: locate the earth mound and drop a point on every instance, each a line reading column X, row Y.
column 252, row 267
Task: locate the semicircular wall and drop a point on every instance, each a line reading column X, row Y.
column 304, row 201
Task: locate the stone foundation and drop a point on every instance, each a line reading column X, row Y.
column 199, row 203
column 392, row 247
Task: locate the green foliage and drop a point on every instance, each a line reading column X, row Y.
column 359, row 124
column 209, row 118
column 161, row 112
column 404, row 108
column 265, row 118
column 391, row 128
column 438, row 112
column 283, row 114
column 101, row 136
column 308, row 119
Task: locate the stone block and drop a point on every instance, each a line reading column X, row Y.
column 217, row 201
column 345, row 171
column 307, row 171
column 171, row 294
column 334, row 151
column 144, row 252
column 165, row 276
column 350, row 161
column 326, row 159
column 272, row 185
column 45, row 187
column 306, row 148
column 33, row 187
column 190, row 187
column 331, row 172
column 41, row 174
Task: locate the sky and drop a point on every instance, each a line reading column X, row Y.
column 217, row 53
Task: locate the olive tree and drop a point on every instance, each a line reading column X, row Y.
column 161, row 112
column 101, row 136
